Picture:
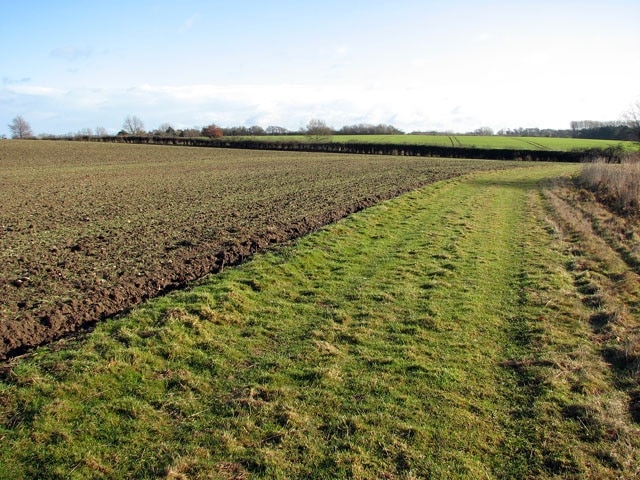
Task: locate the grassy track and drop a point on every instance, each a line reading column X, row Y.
column 421, row 338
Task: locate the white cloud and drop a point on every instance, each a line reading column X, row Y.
column 424, row 102
column 34, row 90
column 188, row 24
column 72, row 54
column 15, row 81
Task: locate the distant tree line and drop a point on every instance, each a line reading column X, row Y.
column 615, row 130
column 215, row 131
column 606, row 132
column 318, row 129
column 612, row 130
column 314, row 124
column 594, row 124
column 254, row 131
column 368, row 129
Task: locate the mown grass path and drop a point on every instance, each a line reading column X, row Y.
column 398, row 343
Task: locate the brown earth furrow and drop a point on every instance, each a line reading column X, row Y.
column 68, row 317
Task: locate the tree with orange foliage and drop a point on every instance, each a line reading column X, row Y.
column 212, row 131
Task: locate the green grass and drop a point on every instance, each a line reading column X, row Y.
column 515, row 143
column 416, row 339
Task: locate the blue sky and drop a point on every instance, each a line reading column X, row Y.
column 419, row 65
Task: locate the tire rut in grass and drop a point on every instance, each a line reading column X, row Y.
column 470, row 281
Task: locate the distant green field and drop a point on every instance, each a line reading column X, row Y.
column 515, row 143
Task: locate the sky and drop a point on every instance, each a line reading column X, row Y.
column 418, row 65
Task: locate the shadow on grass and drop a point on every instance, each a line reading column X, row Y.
column 523, row 184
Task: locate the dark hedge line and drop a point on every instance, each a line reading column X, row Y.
column 610, row 154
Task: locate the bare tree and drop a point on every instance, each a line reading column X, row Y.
column 632, row 119
column 276, row 130
column 190, row 132
column 101, row 132
column 20, row 128
column 165, row 129
column 132, row 125
column 318, row 130
column 484, row 131
column 256, row 130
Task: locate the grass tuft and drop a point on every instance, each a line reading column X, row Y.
column 616, row 184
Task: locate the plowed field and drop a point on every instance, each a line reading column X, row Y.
column 88, row 230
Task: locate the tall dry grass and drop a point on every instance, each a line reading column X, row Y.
column 617, row 184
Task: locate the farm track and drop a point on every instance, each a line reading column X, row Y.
column 89, row 230
column 536, row 145
column 455, row 142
